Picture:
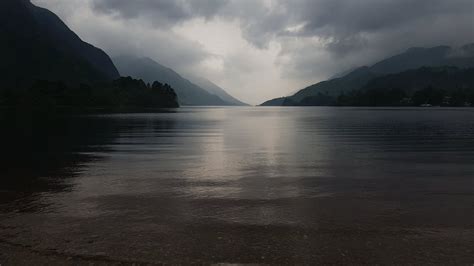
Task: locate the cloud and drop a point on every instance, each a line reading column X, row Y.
column 346, row 33
column 343, row 27
column 339, row 22
column 166, row 47
column 160, row 13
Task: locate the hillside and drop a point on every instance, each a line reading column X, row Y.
column 36, row 44
column 150, row 70
column 212, row 88
column 450, row 86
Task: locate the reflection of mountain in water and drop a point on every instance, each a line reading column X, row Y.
column 42, row 153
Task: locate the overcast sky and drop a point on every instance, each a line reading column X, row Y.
column 261, row 49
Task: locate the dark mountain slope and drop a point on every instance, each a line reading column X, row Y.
column 335, row 87
column 275, row 102
column 449, row 86
column 36, row 44
column 447, row 78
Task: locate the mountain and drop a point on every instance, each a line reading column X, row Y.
column 335, row 87
column 275, row 102
column 450, row 86
column 212, row 88
column 36, row 44
column 447, row 78
column 413, row 58
column 418, row 57
column 150, row 70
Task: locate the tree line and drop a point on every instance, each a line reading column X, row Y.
column 124, row 92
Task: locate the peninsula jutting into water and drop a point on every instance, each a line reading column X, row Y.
column 133, row 155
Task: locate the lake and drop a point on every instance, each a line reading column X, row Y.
column 270, row 185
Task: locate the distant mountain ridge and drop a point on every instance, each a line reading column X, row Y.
column 441, row 86
column 355, row 79
column 150, row 70
column 417, row 57
column 36, row 44
column 212, row 88
column 447, row 78
column 412, row 58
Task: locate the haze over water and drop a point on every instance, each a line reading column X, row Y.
column 243, row 185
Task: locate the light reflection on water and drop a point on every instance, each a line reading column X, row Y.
column 314, row 168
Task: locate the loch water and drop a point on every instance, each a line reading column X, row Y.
column 270, row 185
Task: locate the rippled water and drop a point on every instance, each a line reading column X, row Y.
column 242, row 185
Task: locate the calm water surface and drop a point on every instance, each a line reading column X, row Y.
column 241, row 185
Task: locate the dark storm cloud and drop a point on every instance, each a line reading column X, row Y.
column 159, row 12
column 355, row 33
column 341, row 25
column 346, row 23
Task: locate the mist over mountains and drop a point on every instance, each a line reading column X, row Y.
column 212, row 88
column 188, row 92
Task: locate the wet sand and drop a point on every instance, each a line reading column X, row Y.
column 346, row 235
column 314, row 247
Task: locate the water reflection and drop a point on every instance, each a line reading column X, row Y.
column 231, row 184
column 41, row 153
